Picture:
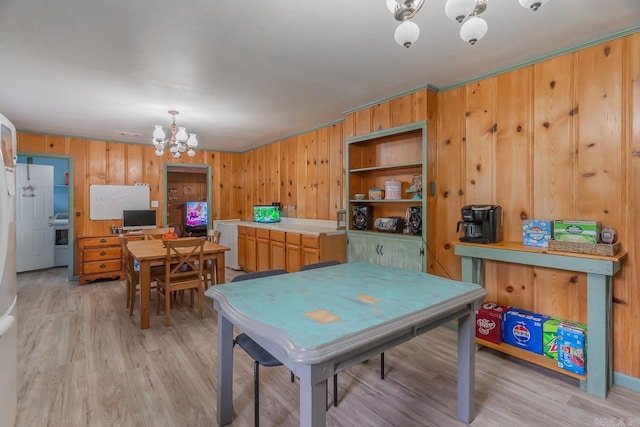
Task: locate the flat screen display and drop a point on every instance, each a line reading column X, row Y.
column 137, row 219
column 196, row 214
column 266, row 213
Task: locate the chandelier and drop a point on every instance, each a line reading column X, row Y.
column 464, row 12
column 178, row 143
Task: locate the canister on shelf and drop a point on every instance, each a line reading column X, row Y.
column 393, row 189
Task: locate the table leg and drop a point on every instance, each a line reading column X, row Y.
column 220, row 279
column 313, row 398
column 472, row 270
column 225, row 370
column 145, row 293
column 598, row 334
column 466, row 367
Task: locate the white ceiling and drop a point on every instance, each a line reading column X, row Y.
column 246, row 73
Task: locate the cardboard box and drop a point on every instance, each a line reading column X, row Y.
column 489, row 322
column 523, row 329
column 572, row 347
column 536, row 232
column 550, row 335
column 576, row 231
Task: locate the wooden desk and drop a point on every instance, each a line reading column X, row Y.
column 151, row 253
column 319, row 322
column 599, row 269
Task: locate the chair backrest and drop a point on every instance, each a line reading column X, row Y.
column 318, row 265
column 184, row 259
column 156, row 233
column 258, row 274
column 214, row 236
column 129, row 269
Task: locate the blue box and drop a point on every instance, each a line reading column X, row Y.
column 523, row 329
column 572, row 347
column 537, row 232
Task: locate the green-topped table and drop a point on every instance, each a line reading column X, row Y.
column 599, row 269
column 319, row 322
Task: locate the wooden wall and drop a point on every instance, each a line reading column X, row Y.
column 557, row 139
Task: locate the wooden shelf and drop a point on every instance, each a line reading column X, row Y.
column 387, row 167
column 412, row 201
column 536, row 359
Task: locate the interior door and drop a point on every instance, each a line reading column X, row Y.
column 34, row 217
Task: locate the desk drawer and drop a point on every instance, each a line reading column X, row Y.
column 100, row 241
column 102, row 254
column 102, row 266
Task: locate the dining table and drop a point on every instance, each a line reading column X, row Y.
column 152, row 253
column 321, row 321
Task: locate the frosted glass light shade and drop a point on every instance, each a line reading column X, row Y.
column 159, row 153
column 407, row 33
column 192, row 142
column 158, row 133
column 391, row 5
column 532, row 4
column 473, row 30
column 457, row 10
column 182, row 134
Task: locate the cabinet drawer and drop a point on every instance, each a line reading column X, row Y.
column 101, row 266
column 97, row 254
column 293, row 238
column 262, row 233
column 100, row 241
column 251, row 231
column 277, row 236
column 310, row 241
column 242, row 231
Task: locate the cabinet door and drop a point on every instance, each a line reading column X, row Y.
column 310, row 255
column 278, row 255
column 242, row 246
column 407, row 254
column 250, row 257
column 362, row 248
column 263, row 261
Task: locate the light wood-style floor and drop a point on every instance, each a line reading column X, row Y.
column 84, row 362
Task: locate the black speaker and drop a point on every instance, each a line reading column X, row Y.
column 415, row 219
column 362, row 217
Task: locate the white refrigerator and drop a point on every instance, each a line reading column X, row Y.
column 8, row 328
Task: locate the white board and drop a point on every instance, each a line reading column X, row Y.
column 108, row 201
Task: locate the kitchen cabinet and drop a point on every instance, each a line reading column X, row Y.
column 293, row 252
column 250, row 251
column 242, row 246
column 278, row 250
column 310, row 250
column 100, row 258
column 393, row 250
column 263, row 256
column 395, row 154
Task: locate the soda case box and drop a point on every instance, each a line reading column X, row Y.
column 523, row 329
column 576, row 231
column 537, row 232
column 572, row 347
column 550, row 335
column 489, row 322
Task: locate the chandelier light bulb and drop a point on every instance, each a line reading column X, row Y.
column 191, row 153
column 176, row 155
column 458, row 10
column 159, row 152
column 532, row 4
column 179, row 142
column 407, row 33
column 182, row 148
column 473, row 30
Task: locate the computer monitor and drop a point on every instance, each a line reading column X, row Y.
column 138, row 219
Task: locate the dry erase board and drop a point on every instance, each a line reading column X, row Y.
column 108, row 201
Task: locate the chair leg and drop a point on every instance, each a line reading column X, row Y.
column 167, row 307
column 381, row 366
column 335, row 390
column 132, row 298
column 200, row 300
column 256, row 394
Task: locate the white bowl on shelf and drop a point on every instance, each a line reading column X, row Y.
column 359, row 196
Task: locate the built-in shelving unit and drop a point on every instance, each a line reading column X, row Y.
column 372, row 159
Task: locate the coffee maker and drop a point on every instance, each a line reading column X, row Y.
column 481, row 224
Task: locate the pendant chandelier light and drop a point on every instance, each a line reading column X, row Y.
column 178, row 143
column 464, row 12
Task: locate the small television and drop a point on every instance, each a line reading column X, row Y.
column 138, row 219
column 196, row 214
column 266, row 213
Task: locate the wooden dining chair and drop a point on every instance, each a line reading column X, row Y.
column 259, row 355
column 132, row 275
column 156, row 233
column 211, row 275
column 182, row 271
column 335, row 376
